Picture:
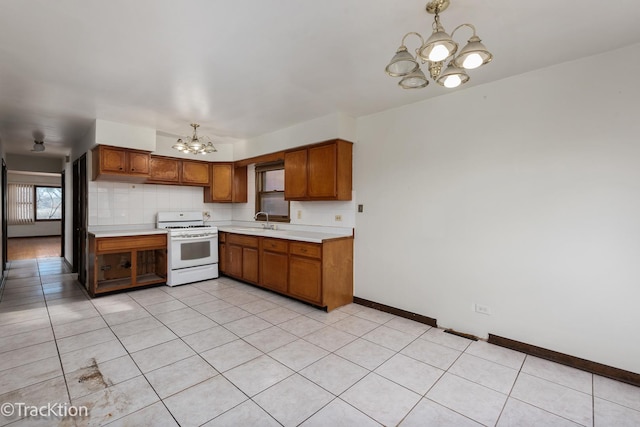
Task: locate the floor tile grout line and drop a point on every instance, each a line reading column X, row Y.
column 361, row 336
column 294, row 372
column 593, row 400
column 222, row 374
column 55, row 341
column 142, row 374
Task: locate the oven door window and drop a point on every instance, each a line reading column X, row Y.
column 195, row 250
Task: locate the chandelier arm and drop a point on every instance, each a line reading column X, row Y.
column 415, row 34
column 464, row 25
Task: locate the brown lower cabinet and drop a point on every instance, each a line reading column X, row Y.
column 117, row 263
column 242, row 257
column 317, row 273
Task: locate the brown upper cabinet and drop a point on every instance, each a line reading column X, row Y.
column 165, row 170
column 228, row 184
column 195, row 173
column 319, row 172
column 118, row 163
column 169, row 170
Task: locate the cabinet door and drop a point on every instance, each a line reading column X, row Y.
column 250, row 264
column 113, row 160
column 275, row 270
column 165, row 170
column 139, row 163
column 305, row 278
column 295, row 175
column 239, row 185
column 221, row 182
column 195, row 173
column 234, row 260
column 322, row 171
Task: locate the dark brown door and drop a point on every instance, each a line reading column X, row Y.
column 80, row 218
column 62, row 219
column 4, row 216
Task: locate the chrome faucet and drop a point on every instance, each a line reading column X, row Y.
column 262, row 213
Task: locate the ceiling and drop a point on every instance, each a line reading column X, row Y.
column 245, row 68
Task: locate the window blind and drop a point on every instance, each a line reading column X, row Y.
column 20, row 204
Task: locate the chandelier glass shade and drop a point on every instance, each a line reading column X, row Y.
column 194, row 144
column 435, row 51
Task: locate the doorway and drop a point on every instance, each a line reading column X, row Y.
column 33, row 214
column 33, row 247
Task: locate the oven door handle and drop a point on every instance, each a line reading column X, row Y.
column 193, row 239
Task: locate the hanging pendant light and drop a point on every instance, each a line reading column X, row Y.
column 194, row 144
column 437, row 49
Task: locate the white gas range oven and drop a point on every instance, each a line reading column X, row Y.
column 192, row 247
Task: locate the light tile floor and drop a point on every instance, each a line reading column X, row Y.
column 223, row 353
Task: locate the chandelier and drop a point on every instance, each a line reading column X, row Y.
column 195, row 144
column 438, row 48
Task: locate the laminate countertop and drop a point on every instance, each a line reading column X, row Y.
column 301, row 236
column 122, row 233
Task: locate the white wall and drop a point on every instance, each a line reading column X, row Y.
column 68, row 205
column 522, row 195
column 34, row 163
column 125, row 135
column 321, row 129
column 38, row 228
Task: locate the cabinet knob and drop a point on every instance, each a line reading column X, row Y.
column 303, row 250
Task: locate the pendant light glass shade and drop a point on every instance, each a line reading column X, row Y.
column 402, row 63
column 438, row 47
column 453, row 76
column 415, row 80
column 473, row 55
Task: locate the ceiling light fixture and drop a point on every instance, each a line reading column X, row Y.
column 194, row 144
column 38, row 146
column 435, row 51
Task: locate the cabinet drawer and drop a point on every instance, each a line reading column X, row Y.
column 275, row 245
column 310, row 250
column 130, row 242
column 242, row 240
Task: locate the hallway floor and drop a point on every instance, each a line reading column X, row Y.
column 222, row 353
column 33, row 247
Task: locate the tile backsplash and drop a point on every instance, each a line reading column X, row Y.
column 117, row 203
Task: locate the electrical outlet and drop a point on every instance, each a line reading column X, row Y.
column 338, row 217
column 360, row 208
column 482, row 309
column 299, row 214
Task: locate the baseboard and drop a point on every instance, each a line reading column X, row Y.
column 398, row 312
column 568, row 360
